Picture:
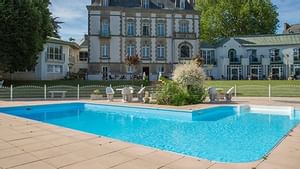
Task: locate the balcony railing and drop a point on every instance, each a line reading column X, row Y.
column 180, row 35
column 276, row 60
column 254, row 60
column 297, row 60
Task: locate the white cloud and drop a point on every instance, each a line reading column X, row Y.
column 74, row 15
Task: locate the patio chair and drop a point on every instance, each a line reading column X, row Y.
column 229, row 94
column 141, row 94
column 110, row 93
column 212, row 93
column 127, row 93
column 1, row 83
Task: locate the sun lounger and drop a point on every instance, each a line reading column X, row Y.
column 141, row 94
column 110, row 93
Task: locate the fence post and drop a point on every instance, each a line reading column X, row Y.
column 78, row 92
column 11, row 92
column 235, row 90
column 45, row 92
column 270, row 90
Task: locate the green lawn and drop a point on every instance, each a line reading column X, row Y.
column 279, row 88
column 282, row 88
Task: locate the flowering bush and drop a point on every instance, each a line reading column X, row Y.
column 132, row 60
column 187, row 87
column 189, row 74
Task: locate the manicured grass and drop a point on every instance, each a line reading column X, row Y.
column 260, row 88
column 245, row 88
column 251, row 82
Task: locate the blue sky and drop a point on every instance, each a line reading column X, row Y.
column 74, row 15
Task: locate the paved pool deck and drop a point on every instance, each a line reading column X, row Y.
column 27, row 144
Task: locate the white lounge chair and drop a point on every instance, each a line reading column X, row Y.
column 127, row 93
column 1, row 83
column 110, row 93
column 141, row 94
column 229, row 94
column 212, row 93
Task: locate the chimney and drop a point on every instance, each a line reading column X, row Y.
column 286, row 27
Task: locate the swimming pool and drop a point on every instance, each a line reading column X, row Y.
column 224, row 134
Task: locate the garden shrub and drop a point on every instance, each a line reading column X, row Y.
column 187, row 87
column 171, row 93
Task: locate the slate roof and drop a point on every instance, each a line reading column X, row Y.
column 167, row 4
column 262, row 40
column 293, row 29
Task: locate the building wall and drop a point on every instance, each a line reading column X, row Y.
column 118, row 39
column 41, row 70
column 223, row 67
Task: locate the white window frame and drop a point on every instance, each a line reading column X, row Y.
column 55, row 69
column 104, row 50
column 130, row 28
column 147, row 26
column 272, row 53
column 105, row 27
column 161, row 52
column 146, row 51
column 131, row 50
column 84, row 58
column 184, row 27
column 161, row 29
column 55, row 52
column 209, row 56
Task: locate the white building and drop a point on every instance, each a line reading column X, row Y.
column 54, row 62
column 162, row 33
column 255, row 57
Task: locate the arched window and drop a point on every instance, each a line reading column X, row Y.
column 232, row 55
column 185, row 51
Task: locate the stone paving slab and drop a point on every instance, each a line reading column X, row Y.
column 27, row 144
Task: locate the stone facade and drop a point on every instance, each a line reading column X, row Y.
column 162, row 33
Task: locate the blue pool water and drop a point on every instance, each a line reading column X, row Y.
column 218, row 134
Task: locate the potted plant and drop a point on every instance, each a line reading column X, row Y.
column 96, row 95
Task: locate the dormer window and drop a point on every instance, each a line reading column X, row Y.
column 145, row 3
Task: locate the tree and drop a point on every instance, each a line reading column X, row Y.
column 227, row 18
column 56, row 26
column 25, row 26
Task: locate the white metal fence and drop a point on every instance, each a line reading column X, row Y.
column 84, row 92
column 44, row 93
